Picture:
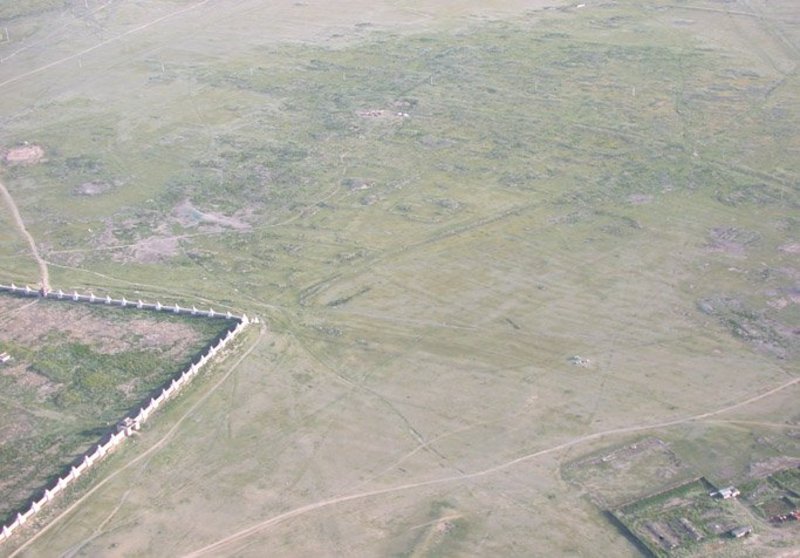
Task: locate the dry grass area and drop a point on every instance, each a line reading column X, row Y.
column 615, row 182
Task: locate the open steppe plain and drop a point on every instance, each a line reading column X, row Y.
column 486, row 238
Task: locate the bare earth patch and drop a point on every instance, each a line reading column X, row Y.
column 188, row 215
column 778, row 303
column 791, row 248
column 24, row 155
column 37, row 322
column 156, row 249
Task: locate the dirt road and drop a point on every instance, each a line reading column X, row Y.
column 225, row 545
column 44, row 276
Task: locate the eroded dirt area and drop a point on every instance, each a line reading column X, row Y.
column 31, row 322
column 27, row 154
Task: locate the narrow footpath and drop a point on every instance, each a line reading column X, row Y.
column 44, row 276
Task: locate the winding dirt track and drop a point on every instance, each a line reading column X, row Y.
column 219, row 547
column 44, row 276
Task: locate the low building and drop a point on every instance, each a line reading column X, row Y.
column 4, row 358
column 727, row 492
column 129, row 426
column 742, row 531
column 579, row 361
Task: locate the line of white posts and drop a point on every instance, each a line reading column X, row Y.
column 121, row 302
column 131, row 423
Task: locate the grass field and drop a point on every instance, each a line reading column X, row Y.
column 434, row 209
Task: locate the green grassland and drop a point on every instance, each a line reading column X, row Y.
column 433, row 213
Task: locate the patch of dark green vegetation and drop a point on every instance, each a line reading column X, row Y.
column 788, row 479
column 347, row 298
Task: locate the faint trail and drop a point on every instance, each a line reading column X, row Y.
column 445, row 232
column 408, row 321
column 425, row 546
column 51, row 34
column 12, row 207
column 153, row 289
column 72, row 552
column 41, row 413
column 152, row 449
column 103, row 43
column 304, row 211
column 435, row 521
column 715, row 10
column 5, row 318
column 427, row 443
column 756, row 423
column 218, row 546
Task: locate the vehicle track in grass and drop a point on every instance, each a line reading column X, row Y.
column 44, row 276
column 223, row 544
column 159, row 444
column 101, row 44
